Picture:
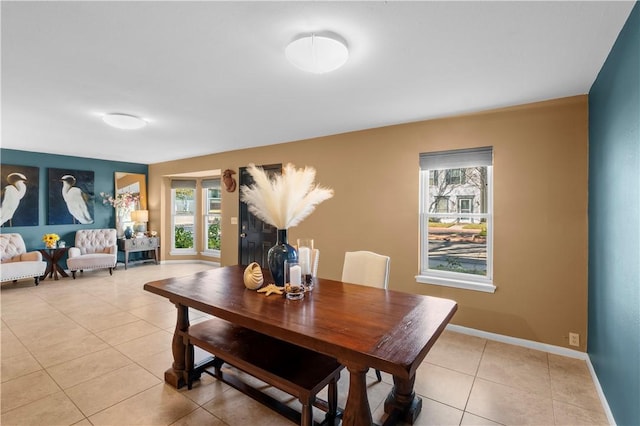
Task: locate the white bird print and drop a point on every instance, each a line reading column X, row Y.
column 76, row 200
column 12, row 194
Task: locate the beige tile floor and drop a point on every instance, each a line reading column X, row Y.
column 92, row 351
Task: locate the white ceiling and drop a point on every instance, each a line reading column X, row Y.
column 212, row 76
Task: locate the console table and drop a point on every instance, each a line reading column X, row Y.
column 146, row 244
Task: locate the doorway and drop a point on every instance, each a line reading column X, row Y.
column 256, row 236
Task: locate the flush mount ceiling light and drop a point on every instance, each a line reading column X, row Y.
column 317, row 53
column 124, row 121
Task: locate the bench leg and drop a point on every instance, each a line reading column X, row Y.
column 217, row 366
column 188, row 363
column 332, row 397
column 306, row 416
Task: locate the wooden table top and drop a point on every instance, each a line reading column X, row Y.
column 383, row 329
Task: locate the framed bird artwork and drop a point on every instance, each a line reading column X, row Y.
column 20, row 186
column 71, row 197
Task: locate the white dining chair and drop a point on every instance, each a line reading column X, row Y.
column 366, row 268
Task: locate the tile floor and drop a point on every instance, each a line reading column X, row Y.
column 92, row 351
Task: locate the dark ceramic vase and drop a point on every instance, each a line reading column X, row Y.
column 278, row 254
column 128, row 233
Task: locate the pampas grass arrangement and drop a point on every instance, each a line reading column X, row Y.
column 283, row 200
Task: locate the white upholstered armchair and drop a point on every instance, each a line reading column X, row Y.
column 17, row 263
column 94, row 249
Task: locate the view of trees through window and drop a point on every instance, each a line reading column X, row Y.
column 212, row 217
column 184, row 218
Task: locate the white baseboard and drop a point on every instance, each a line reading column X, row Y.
column 603, row 399
column 206, row 262
column 557, row 350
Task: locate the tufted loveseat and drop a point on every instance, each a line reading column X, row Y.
column 94, row 249
column 17, row 263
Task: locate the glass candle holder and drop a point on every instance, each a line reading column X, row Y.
column 305, row 258
column 293, row 286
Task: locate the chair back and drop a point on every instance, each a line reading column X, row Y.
column 366, row 268
column 96, row 241
column 11, row 245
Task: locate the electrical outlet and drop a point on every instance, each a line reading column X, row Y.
column 574, row 339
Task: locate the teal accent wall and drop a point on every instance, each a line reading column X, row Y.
column 614, row 225
column 104, row 181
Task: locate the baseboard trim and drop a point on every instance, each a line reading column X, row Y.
column 552, row 349
column 557, row 350
column 206, row 262
column 603, row 399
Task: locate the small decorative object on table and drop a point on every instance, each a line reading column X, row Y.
column 128, row 233
column 271, row 289
column 305, row 257
column 283, row 201
column 50, row 240
column 294, row 289
column 253, row 278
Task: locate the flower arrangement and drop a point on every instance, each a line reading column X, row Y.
column 50, row 240
column 125, row 201
column 283, row 200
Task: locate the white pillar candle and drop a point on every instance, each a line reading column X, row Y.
column 295, row 275
column 304, row 258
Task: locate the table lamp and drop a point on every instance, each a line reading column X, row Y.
column 140, row 217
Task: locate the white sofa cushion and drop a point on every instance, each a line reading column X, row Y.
column 17, row 263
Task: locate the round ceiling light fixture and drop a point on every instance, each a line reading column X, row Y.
column 317, row 53
column 124, row 121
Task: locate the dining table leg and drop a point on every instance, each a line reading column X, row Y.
column 357, row 411
column 176, row 375
column 402, row 401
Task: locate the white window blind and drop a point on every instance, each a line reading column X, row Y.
column 459, row 158
column 183, row 184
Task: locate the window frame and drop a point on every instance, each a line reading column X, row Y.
column 189, row 250
column 206, row 213
column 462, row 280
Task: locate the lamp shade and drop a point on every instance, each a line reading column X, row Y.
column 124, row 121
column 140, row 216
column 317, row 54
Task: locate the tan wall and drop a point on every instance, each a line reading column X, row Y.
column 540, row 208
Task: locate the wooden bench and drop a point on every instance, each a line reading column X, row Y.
column 295, row 370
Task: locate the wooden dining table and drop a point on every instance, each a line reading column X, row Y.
column 362, row 327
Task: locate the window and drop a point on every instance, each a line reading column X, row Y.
column 456, row 218
column 183, row 202
column 442, row 204
column 433, row 177
column 455, row 176
column 212, row 202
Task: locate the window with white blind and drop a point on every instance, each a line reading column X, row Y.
column 212, row 214
column 456, row 218
column 183, row 217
